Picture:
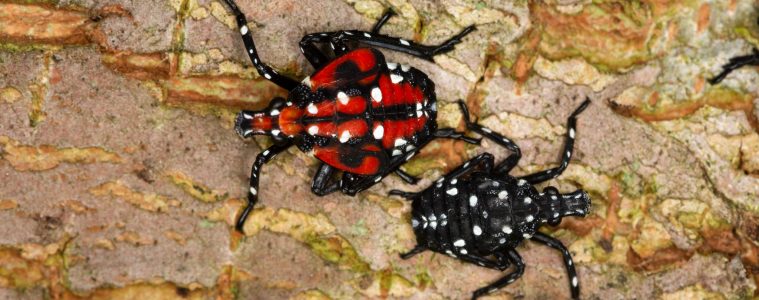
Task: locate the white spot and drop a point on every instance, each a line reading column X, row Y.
column 485, row 129
column 409, row 156
column 473, row 201
column 419, row 113
column 397, row 152
column 312, row 109
column 574, row 281
column 345, row 136
column 400, row 142
column 418, row 106
column 502, row 241
column 267, row 76
column 414, row 223
column 377, row 94
column 496, row 183
column 580, row 211
column 247, row 116
column 571, row 132
column 527, row 236
column 250, row 51
column 379, row 132
column 395, row 78
column 569, row 262
column 485, row 214
column 424, row 225
column 555, row 215
column 307, row 81
column 253, row 191
column 392, row 66
column 463, row 251
column 266, row 152
column 454, row 181
column 247, row 132
column 527, row 200
column 452, row 192
column 466, row 164
column 410, row 148
column 443, row 222
column 313, row 130
column 367, row 35
column 477, row 230
column 275, row 132
column 503, row 194
column 433, row 224
column 348, row 32
column 450, row 253
column 343, row 98
column 404, row 42
column 506, row 229
column 244, row 29
column 521, row 182
column 530, row 218
column 275, row 112
column 377, row 179
column 433, row 218
column 578, row 196
column 443, row 216
column 459, row 243
column 405, row 68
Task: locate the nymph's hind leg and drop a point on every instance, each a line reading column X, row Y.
column 516, row 260
column 574, row 284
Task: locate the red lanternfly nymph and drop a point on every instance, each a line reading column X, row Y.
column 357, row 113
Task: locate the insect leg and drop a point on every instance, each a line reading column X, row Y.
column 407, row 195
column 255, row 171
column 322, row 177
column 515, row 259
column 484, row 262
column 452, row 134
column 263, row 69
column 417, row 249
column 316, row 57
column 574, row 285
column 736, row 63
column 506, row 165
column 401, row 45
column 484, row 159
column 406, row 176
column 566, row 155
column 382, row 20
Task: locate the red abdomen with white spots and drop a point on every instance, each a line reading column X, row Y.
column 357, row 114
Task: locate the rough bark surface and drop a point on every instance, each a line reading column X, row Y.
column 120, row 174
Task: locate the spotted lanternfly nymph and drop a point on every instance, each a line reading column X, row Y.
column 737, row 63
column 357, row 113
column 479, row 213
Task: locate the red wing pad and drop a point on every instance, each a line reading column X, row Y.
column 360, row 65
column 366, row 160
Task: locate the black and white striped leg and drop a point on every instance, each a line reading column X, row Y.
column 453, row 134
column 511, row 161
column 406, row 176
column 566, row 156
column 736, row 63
column 485, row 160
column 250, row 47
column 323, row 184
column 382, row 20
column 516, row 260
column 417, row 249
column 255, row 172
column 499, row 265
column 574, row 284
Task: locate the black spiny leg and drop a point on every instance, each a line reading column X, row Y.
column 417, row 249
column 566, row 156
column 250, row 47
column 506, row 165
column 322, row 177
column 382, row 20
column 736, row 63
column 406, row 176
column 382, row 41
column 452, row 134
column 515, row 259
column 255, row 171
column 574, row 285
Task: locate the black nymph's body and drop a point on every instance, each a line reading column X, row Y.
column 479, row 213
